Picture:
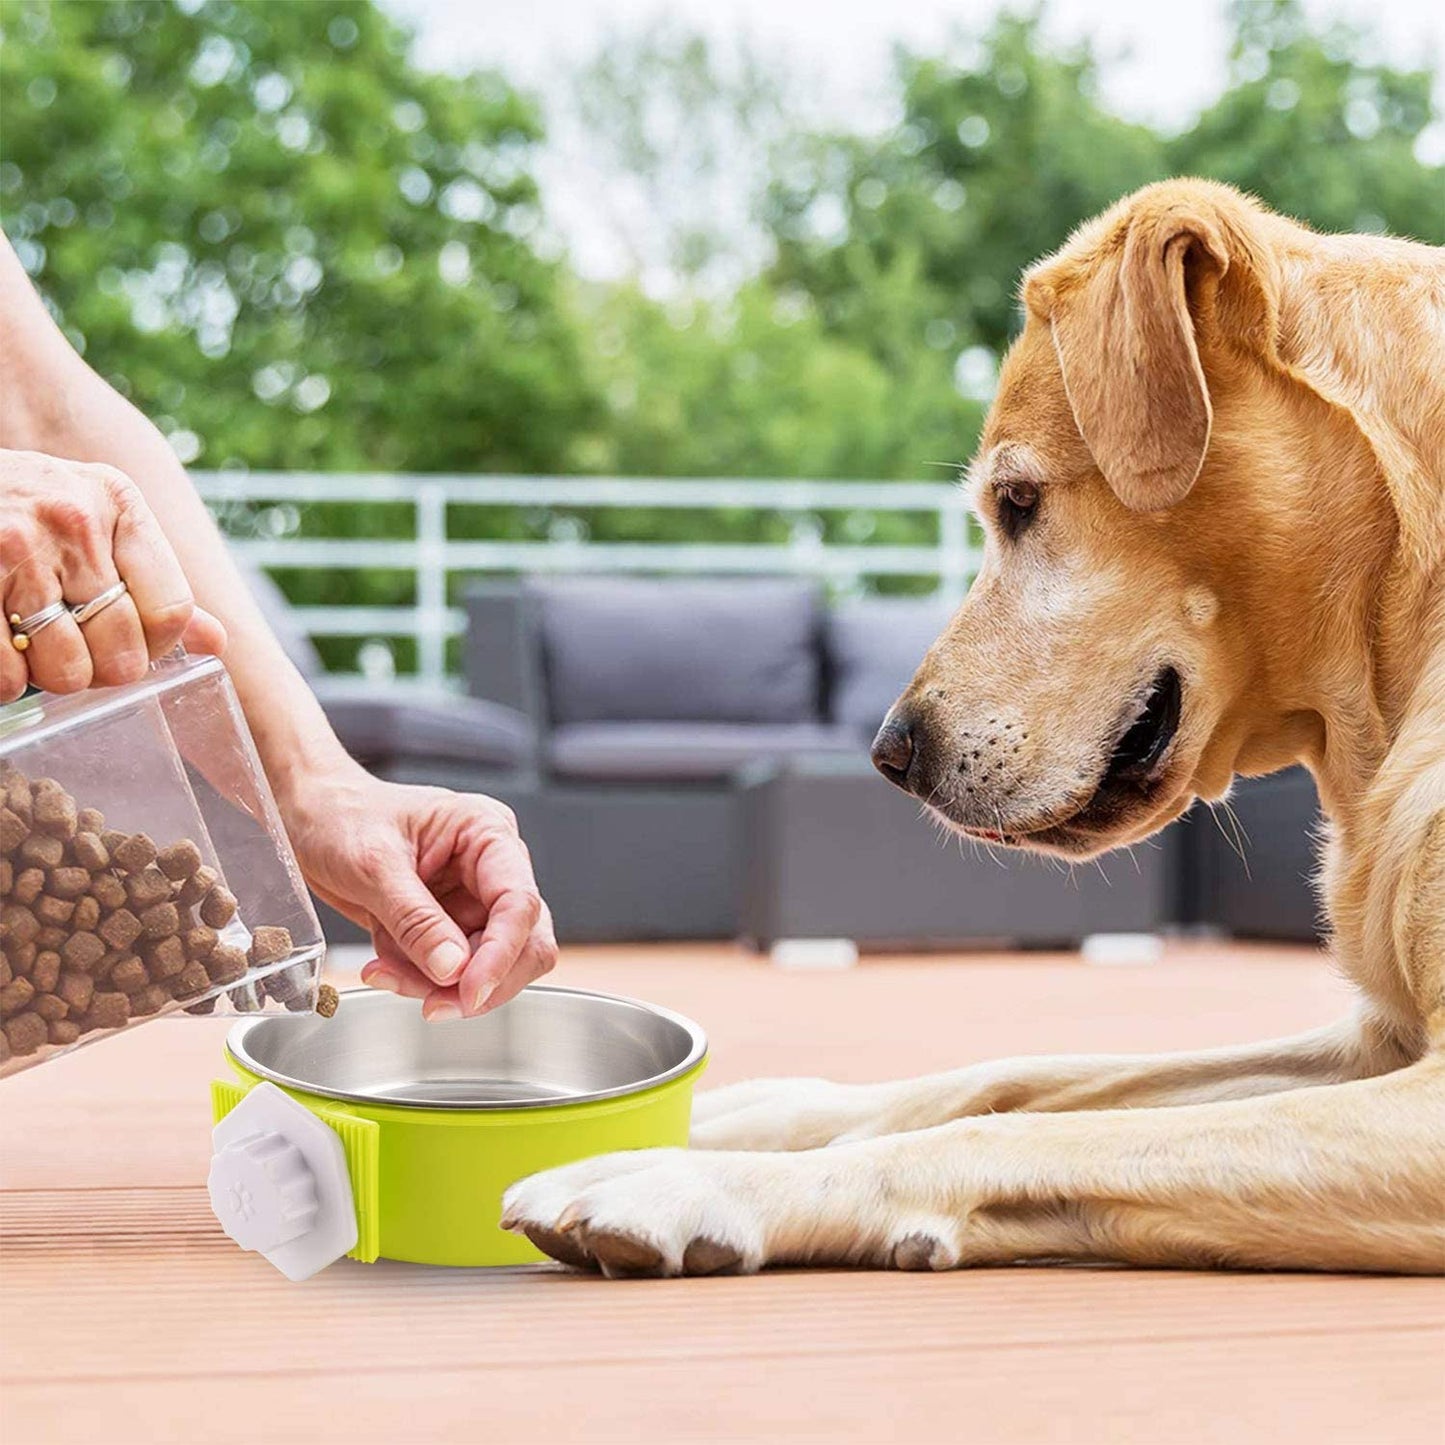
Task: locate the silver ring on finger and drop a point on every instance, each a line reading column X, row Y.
column 23, row 629
column 84, row 611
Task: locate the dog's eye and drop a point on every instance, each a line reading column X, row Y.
column 1018, row 501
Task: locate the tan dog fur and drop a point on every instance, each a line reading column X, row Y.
column 1237, row 430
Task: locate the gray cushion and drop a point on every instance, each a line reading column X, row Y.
column 620, row 649
column 442, row 728
column 677, row 752
column 874, row 645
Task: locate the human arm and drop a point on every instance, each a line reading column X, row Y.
column 442, row 880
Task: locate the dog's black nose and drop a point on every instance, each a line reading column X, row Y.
column 892, row 751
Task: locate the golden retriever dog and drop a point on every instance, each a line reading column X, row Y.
column 1213, row 485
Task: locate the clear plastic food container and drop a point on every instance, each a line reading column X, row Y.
column 143, row 868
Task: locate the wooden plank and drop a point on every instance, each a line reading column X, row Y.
column 1195, row 1392
column 79, row 1281
column 135, row 1109
column 130, row 1317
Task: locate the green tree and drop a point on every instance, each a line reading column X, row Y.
column 1316, row 132
column 282, row 239
column 993, row 164
column 999, row 158
column 689, row 126
column 757, row 386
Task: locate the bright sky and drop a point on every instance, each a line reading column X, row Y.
column 1162, row 60
column 1167, row 58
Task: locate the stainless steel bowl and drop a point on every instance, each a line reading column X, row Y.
column 548, row 1046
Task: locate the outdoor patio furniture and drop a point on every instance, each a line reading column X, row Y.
column 645, row 698
column 688, row 761
column 442, row 739
column 703, row 772
column 835, row 852
column 1248, row 870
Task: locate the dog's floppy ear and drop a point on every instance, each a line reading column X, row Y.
column 1123, row 326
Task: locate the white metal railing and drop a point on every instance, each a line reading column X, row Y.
column 432, row 555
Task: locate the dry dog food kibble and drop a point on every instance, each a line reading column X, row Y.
column 200, row 940
column 53, row 810
column 134, row 853
column 55, row 911
column 50, row 1008
column 76, row 990
column 191, row 980
column 25, row 1032
column 269, row 945
column 39, row 851
column 160, row 920
column 146, row 887
column 15, row 996
column 217, row 908
column 129, row 974
column 180, row 860
column 121, row 929
column 99, row 926
column 83, row 950
column 108, row 891
column 164, row 958
column 90, row 852
column 67, row 882
column 148, row 1000
column 107, row 1011
column 225, row 964
column 45, row 971
column 195, row 888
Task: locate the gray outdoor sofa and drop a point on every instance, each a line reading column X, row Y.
column 688, row 760
column 701, row 771
column 446, row 740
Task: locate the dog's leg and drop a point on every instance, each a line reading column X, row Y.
column 807, row 1113
column 1350, row 1177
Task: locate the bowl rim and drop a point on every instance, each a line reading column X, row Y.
column 697, row 1051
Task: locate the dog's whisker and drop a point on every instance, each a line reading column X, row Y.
column 1234, row 838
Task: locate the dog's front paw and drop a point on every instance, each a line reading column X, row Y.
column 653, row 1212
column 784, row 1114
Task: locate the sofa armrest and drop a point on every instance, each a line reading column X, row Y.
column 502, row 653
column 381, row 728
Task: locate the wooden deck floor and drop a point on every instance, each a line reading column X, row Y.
column 125, row 1315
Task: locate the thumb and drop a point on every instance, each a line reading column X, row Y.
column 204, row 634
column 421, row 928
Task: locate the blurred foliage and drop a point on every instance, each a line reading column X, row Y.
column 294, row 248
column 1316, row 132
column 997, row 159
column 756, row 385
column 928, row 227
column 282, row 240
column 683, row 126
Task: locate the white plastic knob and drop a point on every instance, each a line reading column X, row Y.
column 279, row 1183
column 262, row 1191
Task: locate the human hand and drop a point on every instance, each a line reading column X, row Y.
column 441, row 880
column 68, row 532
